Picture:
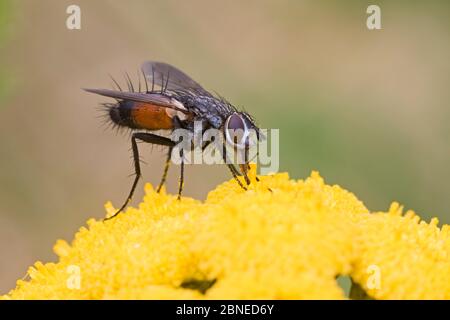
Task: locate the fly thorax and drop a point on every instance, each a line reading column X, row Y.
column 173, row 112
column 215, row 120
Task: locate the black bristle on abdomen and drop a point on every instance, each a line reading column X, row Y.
column 121, row 115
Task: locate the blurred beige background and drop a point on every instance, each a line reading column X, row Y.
column 368, row 109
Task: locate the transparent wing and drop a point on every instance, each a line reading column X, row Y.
column 170, row 78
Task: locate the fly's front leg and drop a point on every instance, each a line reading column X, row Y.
column 244, row 167
column 234, row 172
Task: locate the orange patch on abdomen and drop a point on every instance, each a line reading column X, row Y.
column 151, row 117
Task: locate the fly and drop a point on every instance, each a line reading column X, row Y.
column 174, row 101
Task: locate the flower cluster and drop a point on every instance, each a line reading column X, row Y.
column 281, row 239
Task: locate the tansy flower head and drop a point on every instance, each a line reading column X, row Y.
column 281, row 239
column 402, row 257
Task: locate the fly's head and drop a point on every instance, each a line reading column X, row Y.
column 240, row 130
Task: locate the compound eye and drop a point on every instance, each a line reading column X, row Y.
column 235, row 122
column 236, row 131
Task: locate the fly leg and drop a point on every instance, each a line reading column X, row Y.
column 180, row 187
column 244, row 167
column 166, row 169
column 145, row 137
column 234, row 172
column 178, row 124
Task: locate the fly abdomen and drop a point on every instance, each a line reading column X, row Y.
column 148, row 111
column 121, row 114
column 140, row 115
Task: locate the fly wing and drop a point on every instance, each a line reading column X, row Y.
column 153, row 98
column 170, row 78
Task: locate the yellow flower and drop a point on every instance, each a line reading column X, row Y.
column 402, row 257
column 281, row 239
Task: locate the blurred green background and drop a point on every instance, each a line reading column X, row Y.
column 368, row 109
